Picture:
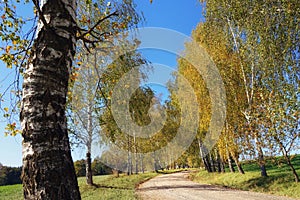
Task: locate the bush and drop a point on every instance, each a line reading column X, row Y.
column 99, row 168
column 79, row 167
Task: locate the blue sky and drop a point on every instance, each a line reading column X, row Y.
column 181, row 16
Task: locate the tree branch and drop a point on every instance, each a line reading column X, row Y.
column 82, row 37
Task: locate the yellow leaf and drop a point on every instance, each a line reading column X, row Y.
column 6, row 109
column 14, row 42
column 8, row 49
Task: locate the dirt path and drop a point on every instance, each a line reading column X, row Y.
column 177, row 186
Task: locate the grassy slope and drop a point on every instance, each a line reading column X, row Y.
column 107, row 187
column 10, row 192
column 279, row 182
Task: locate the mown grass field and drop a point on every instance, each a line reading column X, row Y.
column 106, row 187
column 109, row 187
column 11, row 192
column 280, row 180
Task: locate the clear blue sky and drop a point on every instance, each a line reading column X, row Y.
column 181, row 15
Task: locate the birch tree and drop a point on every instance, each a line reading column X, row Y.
column 83, row 114
column 48, row 171
column 265, row 36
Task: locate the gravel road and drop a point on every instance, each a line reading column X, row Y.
column 177, row 186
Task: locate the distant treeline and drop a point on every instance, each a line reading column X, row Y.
column 98, row 168
column 10, row 175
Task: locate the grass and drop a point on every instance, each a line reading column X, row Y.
column 106, row 187
column 171, row 171
column 9, row 192
column 121, row 188
column 280, row 180
column 109, row 187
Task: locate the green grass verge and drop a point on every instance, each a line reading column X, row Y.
column 280, row 180
column 10, row 192
column 109, row 187
column 171, row 171
column 106, row 187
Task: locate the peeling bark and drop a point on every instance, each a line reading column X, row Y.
column 48, row 170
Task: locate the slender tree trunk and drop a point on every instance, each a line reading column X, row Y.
column 288, row 160
column 156, row 165
column 212, row 161
column 218, row 160
column 129, row 160
column 201, row 154
column 142, row 163
column 293, row 170
column 222, row 165
column 209, row 167
column 48, row 170
column 135, row 156
column 204, row 157
column 261, row 159
column 238, row 164
column 88, row 169
column 88, row 166
column 231, row 168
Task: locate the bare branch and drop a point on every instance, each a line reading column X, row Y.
column 97, row 24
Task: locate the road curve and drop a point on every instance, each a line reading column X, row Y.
column 177, row 186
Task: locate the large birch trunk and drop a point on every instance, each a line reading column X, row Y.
column 48, row 170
